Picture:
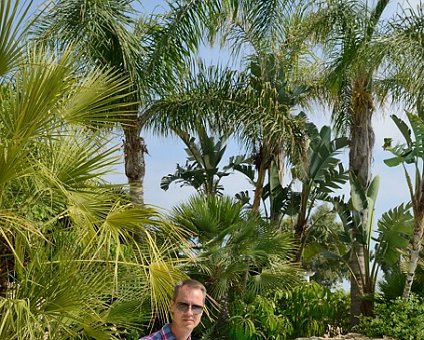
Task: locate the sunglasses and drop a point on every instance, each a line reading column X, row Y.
column 184, row 307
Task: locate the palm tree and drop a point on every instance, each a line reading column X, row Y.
column 348, row 31
column 70, row 267
column 260, row 102
column 105, row 34
column 237, row 253
column 149, row 52
column 277, row 82
column 272, row 132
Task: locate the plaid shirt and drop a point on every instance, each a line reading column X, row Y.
column 163, row 334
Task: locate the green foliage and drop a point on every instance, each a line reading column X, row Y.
column 411, row 152
column 392, row 285
column 311, row 307
column 322, row 240
column 393, row 231
column 306, row 310
column 201, row 170
column 237, row 253
column 401, row 319
column 70, row 265
column 258, row 320
column 235, row 250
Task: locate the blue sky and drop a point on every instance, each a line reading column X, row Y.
column 165, row 153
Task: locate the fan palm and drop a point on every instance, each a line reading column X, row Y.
column 236, row 253
column 69, row 264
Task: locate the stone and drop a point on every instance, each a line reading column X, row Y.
column 349, row 336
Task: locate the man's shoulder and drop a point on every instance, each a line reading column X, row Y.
column 162, row 334
column 154, row 336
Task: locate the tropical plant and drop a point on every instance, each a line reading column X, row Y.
column 272, row 131
column 403, row 51
column 348, row 32
column 401, row 319
column 321, row 174
column 412, row 152
column 260, row 102
column 237, row 254
column 105, row 34
column 148, row 52
column 70, row 267
column 323, row 238
column 393, row 229
column 202, row 167
column 305, row 310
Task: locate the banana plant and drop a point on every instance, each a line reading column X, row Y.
column 412, row 153
column 201, row 170
column 392, row 237
column 321, row 174
column 324, row 174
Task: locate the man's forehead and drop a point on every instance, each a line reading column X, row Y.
column 186, row 292
column 189, row 290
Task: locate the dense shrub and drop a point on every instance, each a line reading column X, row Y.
column 304, row 311
column 311, row 308
column 403, row 320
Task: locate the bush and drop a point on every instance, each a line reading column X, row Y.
column 304, row 311
column 401, row 319
column 311, row 307
column 259, row 319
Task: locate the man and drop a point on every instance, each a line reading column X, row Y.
column 187, row 306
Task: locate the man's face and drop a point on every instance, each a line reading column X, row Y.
column 187, row 308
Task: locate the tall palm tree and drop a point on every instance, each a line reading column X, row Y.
column 260, row 103
column 348, row 31
column 105, row 34
column 273, row 33
column 148, row 52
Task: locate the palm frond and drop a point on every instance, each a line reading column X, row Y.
column 13, row 16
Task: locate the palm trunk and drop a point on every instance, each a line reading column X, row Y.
column 134, row 150
column 223, row 318
column 259, row 186
column 414, row 257
column 360, row 157
column 416, row 241
column 279, row 163
column 262, row 163
column 300, row 228
column 357, row 291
